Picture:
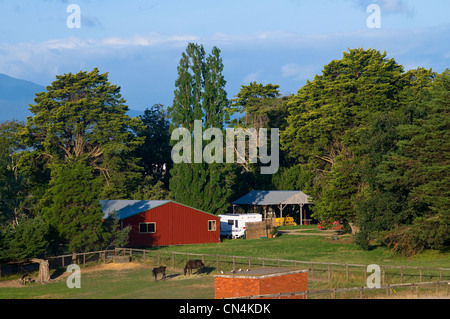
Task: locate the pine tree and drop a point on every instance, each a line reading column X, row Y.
column 71, row 206
column 83, row 115
column 326, row 120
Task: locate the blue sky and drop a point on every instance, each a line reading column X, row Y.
column 282, row 42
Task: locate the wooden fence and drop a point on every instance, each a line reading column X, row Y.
column 317, row 270
column 438, row 289
column 255, row 230
column 353, row 273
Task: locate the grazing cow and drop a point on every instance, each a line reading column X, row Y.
column 159, row 270
column 193, row 264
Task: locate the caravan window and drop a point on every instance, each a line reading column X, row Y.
column 230, row 222
column 236, row 223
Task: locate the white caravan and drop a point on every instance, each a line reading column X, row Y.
column 233, row 225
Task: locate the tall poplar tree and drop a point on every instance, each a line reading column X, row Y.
column 200, row 95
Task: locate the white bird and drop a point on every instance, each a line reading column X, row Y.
column 240, row 269
column 247, row 269
column 221, row 271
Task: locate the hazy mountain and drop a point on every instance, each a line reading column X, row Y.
column 16, row 95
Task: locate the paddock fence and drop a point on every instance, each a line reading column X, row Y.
column 214, row 263
column 325, row 271
column 435, row 289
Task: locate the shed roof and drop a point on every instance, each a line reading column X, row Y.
column 127, row 208
column 264, row 198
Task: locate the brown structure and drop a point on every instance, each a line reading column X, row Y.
column 261, row 281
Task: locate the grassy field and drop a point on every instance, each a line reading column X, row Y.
column 316, row 248
column 135, row 281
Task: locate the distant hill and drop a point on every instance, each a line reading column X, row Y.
column 16, row 95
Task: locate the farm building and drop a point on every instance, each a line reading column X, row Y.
column 163, row 223
column 280, row 203
column 261, row 281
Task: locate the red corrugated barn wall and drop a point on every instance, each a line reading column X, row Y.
column 174, row 224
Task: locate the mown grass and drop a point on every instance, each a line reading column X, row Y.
column 135, row 283
column 317, row 249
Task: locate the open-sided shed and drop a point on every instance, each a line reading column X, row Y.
column 280, row 199
column 163, row 223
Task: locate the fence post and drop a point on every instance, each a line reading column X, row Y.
column 346, row 272
column 217, row 262
column 84, row 259
column 401, row 275
column 420, row 277
column 173, row 260
column 329, row 271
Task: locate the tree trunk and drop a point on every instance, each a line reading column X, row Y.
column 44, row 275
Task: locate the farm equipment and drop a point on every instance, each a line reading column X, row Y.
column 285, row 221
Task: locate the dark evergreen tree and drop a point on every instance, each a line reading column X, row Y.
column 71, row 206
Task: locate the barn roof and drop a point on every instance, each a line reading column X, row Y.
column 265, row 198
column 127, row 208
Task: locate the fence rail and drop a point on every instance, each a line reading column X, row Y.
column 215, row 263
column 325, row 270
column 390, row 289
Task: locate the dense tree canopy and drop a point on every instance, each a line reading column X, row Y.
column 366, row 140
column 200, row 95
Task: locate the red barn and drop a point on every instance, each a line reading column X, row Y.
column 163, row 223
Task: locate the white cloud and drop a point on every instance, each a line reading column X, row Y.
column 298, row 72
column 388, row 6
column 252, row 77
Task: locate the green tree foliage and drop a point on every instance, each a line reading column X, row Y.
column 71, row 206
column 155, row 152
column 83, row 115
column 258, row 106
column 200, row 95
column 417, row 172
column 12, row 194
column 326, row 119
column 256, row 102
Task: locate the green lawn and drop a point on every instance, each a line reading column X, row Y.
column 315, row 248
column 137, row 282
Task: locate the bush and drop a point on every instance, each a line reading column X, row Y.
column 431, row 233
